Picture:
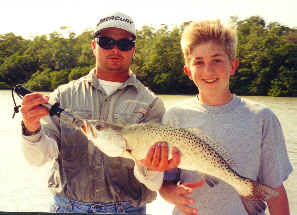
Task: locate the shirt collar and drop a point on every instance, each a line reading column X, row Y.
column 93, row 80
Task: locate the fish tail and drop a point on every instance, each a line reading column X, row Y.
column 255, row 202
column 263, row 192
column 253, row 207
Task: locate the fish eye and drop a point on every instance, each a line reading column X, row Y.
column 99, row 127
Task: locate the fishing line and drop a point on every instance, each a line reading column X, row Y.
column 16, row 107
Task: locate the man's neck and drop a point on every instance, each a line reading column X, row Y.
column 111, row 76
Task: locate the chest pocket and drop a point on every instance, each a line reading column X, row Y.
column 131, row 111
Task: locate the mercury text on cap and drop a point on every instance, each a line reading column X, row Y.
column 115, row 18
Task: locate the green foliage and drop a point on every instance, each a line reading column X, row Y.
column 17, row 68
column 11, row 44
column 267, row 53
column 4, row 85
column 162, row 74
column 78, row 72
column 58, row 78
column 268, row 58
column 40, row 81
column 284, row 84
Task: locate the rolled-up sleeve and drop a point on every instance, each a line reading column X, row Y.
column 153, row 180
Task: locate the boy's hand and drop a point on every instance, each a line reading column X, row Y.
column 157, row 158
column 177, row 195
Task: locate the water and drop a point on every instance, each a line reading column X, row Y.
column 24, row 188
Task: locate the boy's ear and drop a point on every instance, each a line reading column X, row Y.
column 188, row 73
column 235, row 65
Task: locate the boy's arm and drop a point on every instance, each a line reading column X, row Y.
column 275, row 165
column 279, row 204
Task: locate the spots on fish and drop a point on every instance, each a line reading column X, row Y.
column 201, row 154
column 179, row 135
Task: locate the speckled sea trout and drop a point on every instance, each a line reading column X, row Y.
column 198, row 153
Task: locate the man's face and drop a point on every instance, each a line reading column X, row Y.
column 210, row 69
column 113, row 63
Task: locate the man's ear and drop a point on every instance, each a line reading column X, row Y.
column 235, row 65
column 188, row 73
column 93, row 44
column 134, row 51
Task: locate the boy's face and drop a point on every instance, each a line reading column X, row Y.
column 210, row 69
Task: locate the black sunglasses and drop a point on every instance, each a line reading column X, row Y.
column 108, row 43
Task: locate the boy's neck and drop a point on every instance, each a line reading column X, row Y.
column 215, row 100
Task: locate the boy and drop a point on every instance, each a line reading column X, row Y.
column 250, row 132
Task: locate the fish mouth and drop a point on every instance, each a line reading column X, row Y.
column 91, row 127
column 89, row 130
column 107, row 140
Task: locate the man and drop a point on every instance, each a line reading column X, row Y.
column 83, row 179
column 250, row 132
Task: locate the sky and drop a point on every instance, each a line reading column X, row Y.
column 29, row 18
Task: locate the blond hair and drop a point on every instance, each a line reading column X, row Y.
column 201, row 32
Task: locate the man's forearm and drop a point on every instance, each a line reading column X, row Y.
column 39, row 149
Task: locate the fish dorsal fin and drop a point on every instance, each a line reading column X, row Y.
column 152, row 124
column 214, row 144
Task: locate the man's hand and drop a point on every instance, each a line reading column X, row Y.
column 157, row 157
column 177, row 195
column 32, row 111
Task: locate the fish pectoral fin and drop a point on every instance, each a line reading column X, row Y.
column 253, row 207
column 211, row 181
